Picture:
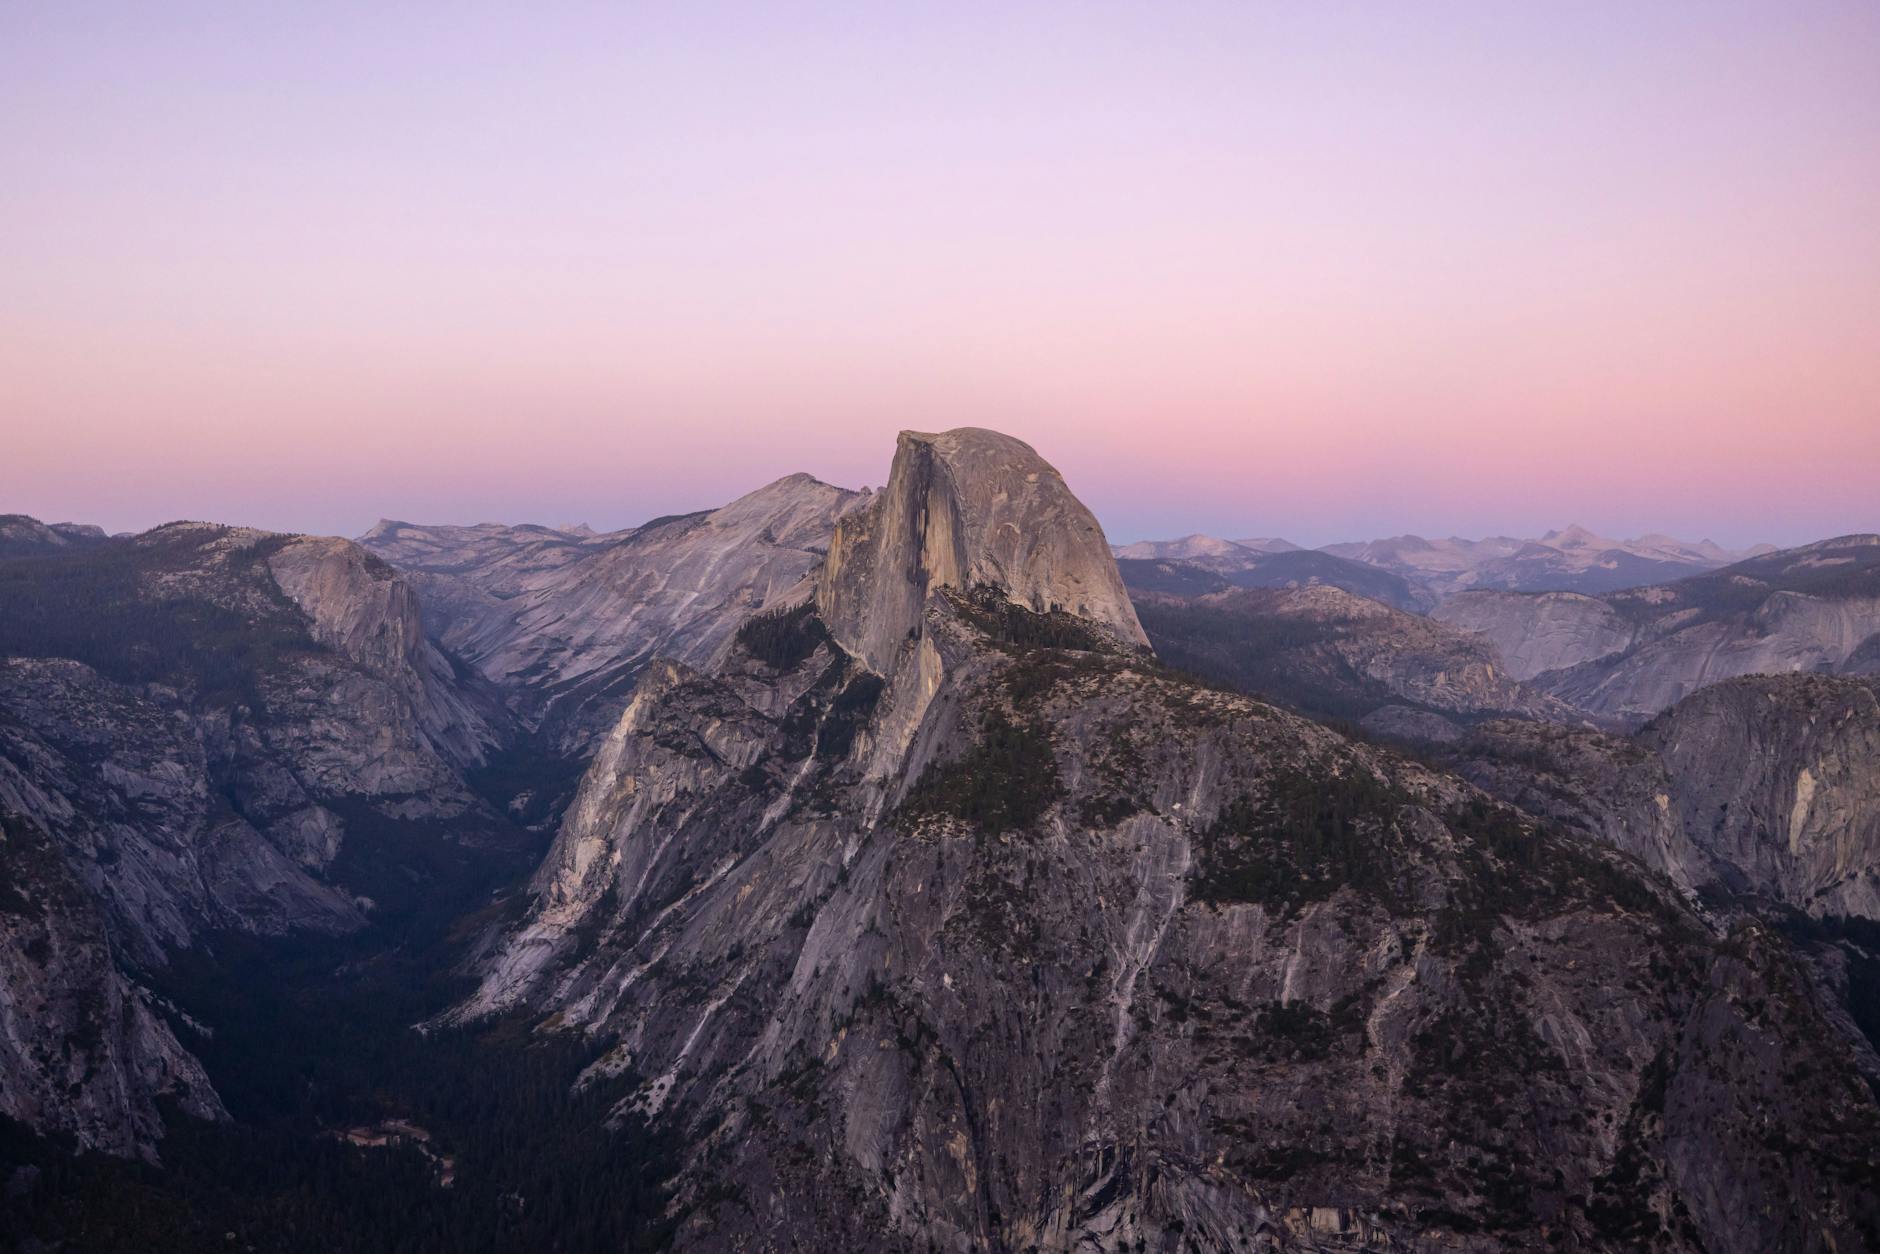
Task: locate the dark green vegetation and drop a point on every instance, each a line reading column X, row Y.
column 314, row 1042
column 315, row 1038
column 782, row 639
column 1015, row 628
column 1274, row 657
column 1005, row 782
column 1305, row 838
column 105, row 606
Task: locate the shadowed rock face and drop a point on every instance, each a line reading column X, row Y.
column 1330, row 654
column 983, row 932
column 1763, row 789
column 1538, row 632
column 1778, row 782
column 84, row 1049
column 23, row 536
column 964, row 508
column 202, row 728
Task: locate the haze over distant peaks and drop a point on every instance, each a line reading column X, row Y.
column 1569, row 559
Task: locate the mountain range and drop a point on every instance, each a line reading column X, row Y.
column 910, row 870
column 1569, row 560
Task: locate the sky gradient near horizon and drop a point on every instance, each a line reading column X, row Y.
column 1326, row 271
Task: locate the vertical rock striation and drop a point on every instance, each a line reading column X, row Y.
column 965, row 508
column 937, row 915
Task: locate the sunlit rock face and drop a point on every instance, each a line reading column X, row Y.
column 965, row 508
column 565, row 622
column 936, row 914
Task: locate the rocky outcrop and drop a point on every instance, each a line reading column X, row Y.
column 359, row 608
column 1116, row 961
column 1606, row 785
column 24, row 536
column 127, row 791
column 1630, row 654
column 1078, row 981
column 564, row 624
column 1778, row 783
column 464, row 574
column 1533, row 633
column 84, row 1049
column 966, row 508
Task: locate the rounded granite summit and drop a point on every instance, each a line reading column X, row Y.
column 962, row 509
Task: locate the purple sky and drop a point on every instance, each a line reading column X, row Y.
column 1318, row 270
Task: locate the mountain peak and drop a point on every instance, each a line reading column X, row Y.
column 965, row 508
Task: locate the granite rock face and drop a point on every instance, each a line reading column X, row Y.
column 1534, row 633
column 1109, row 960
column 564, row 623
column 1627, row 655
column 197, row 726
column 962, row 509
column 1763, row 789
column 84, row 1049
column 1779, row 781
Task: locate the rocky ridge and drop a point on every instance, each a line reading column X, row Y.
column 1628, row 655
column 1331, row 654
column 1572, row 559
column 564, row 623
column 947, row 918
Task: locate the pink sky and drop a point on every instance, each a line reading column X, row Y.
column 1325, row 271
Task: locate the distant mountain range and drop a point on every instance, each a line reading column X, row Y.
column 900, row 870
column 1631, row 653
column 1569, row 560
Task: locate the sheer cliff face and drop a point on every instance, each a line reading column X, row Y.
column 1113, row 961
column 198, row 728
column 1534, row 633
column 961, row 509
column 1759, row 790
column 358, row 608
column 1779, row 784
column 84, row 1050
